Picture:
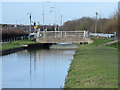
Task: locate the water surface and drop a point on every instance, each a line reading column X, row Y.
column 36, row 68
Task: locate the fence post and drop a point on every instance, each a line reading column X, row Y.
column 84, row 33
column 38, row 33
column 61, row 34
column 28, row 36
column 21, row 37
column 65, row 34
column 55, row 34
column 44, row 34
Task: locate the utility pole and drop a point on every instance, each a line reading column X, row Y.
column 55, row 18
column 54, row 7
column 43, row 15
column 34, row 27
column 30, row 17
column 61, row 21
column 96, row 22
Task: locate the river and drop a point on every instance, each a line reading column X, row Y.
column 38, row 68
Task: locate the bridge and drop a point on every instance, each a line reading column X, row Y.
column 63, row 36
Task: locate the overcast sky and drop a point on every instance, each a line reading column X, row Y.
column 16, row 12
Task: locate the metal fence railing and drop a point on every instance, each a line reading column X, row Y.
column 61, row 34
column 15, row 38
column 103, row 35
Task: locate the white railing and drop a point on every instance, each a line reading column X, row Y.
column 61, row 34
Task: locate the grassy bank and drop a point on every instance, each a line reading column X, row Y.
column 115, row 45
column 15, row 44
column 94, row 66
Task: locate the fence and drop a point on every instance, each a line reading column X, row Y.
column 103, row 35
column 15, row 38
column 61, row 34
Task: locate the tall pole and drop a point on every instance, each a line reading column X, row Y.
column 51, row 14
column 96, row 23
column 30, row 23
column 43, row 16
column 30, row 17
column 61, row 22
column 55, row 17
column 55, row 20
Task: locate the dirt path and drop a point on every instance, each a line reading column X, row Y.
column 108, row 43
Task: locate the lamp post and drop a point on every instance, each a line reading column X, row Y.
column 55, row 19
column 51, row 20
column 61, row 22
column 96, row 22
column 30, row 17
column 43, row 15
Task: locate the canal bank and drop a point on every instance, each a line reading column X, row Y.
column 15, row 46
column 94, row 66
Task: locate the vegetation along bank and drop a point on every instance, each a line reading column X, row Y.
column 14, row 46
column 94, row 66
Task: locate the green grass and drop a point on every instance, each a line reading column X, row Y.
column 115, row 45
column 15, row 44
column 99, row 41
column 93, row 67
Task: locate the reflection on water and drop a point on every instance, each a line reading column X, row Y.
column 64, row 46
column 36, row 68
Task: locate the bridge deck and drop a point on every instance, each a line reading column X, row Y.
column 62, row 36
column 61, row 40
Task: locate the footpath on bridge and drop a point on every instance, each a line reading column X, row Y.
column 93, row 66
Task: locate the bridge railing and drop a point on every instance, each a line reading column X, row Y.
column 62, row 34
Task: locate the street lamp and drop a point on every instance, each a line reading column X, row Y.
column 30, row 17
column 51, row 19
column 96, row 22
column 43, row 15
column 61, row 21
column 55, row 19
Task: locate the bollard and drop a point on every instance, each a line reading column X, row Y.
column 13, row 39
column 21, row 37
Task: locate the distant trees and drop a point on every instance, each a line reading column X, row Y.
column 84, row 23
column 104, row 25
column 9, row 34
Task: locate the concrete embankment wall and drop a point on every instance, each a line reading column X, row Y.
column 40, row 46
column 29, row 46
column 5, row 52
